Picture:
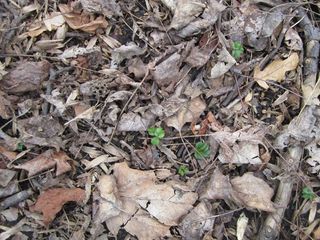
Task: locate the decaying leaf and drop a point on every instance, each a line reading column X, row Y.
column 5, row 106
column 185, row 12
column 107, row 8
column 126, row 52
column 134, row 199
column 5, row 176
column 82, row 21
column 241, row 226
column 189, row 112
column 133, row 122
column 303, row 128
column 293, row 40
column 45, row 161
column 253, row 192
column 40, row 130
column 2, row 70
column 197, row 222
column 225, row 62
column 276, row 70
column 246, row 190
column 51, row 201
column 26, row 77
column 240, row 147
column 53, row 21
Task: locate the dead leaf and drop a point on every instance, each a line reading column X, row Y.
column 167, row 72
column 240, row 147
column 107, row 8
column 198, row 56
column 53, row 21
column 26, row 77
column 185, row 12
column 293, row 40
column 5, row 106
column 45, row 161
column 253, row 192
column 242, row 224
column 2, row 70
column 40, row 130
column 197, row 222
column 82, row 21
column 189, row 112
column 246, row 190
column 133, row 122
column 225, row 62
column 6, row 176
column 51, row 201
column 276, row 70
column 124, row 194
column 126, row 52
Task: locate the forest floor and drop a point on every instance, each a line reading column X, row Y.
column 159, row 119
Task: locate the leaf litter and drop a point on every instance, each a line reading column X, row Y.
column 83, row 81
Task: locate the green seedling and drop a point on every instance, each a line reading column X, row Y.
column 20, row 147
column 308, row 194
column 183, row 170
column 202, row 150
column 237, row 50
column 157, row 133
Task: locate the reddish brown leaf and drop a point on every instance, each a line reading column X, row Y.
column 26, row 77
column 50, row 202
column 45, row 161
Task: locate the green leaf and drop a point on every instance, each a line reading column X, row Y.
column 159, row 132
column 237, row 50
column 20, row 147
column 155, row 141
column 202, row 150
column 183, row 170
column 152, row 131
column 308, row 194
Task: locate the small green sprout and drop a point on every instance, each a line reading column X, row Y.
column 20, row 147
column 157, row 133
column 237, row 50
column 202, row 150
column 308, row 194
column 183, row 170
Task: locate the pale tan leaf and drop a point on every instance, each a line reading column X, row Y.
column 129, row 190
column 277, row 69
column 191, row 111
column 253, row 192
column 242, row 223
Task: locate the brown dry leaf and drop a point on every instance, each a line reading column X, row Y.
column 45, row 161
column 53, row 21
column 185, row 12
column 6, row 176
column 5, row 106
column 225, row 62
column 82, row 21
column 51, row 201
column 276, row 70
column 197, row 222
column 107, row 8
column 40, row 130
column 126, row 52
column 246, row 190
column 133, row 122
column 198, row 56
column 26, row 77
column 240, row 147
column 189, row 112
column 293, row 40
column 167, row 72
column 128, row 191
column 253, row 192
